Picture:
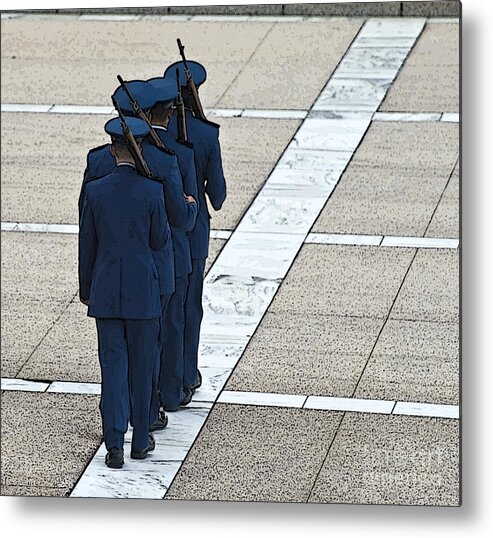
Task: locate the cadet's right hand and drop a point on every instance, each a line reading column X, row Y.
column 190, row 199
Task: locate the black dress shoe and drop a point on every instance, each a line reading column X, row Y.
column 114, row 458
column 186, row 400
column 196, row 384
column 142, row 454
column 160, row 423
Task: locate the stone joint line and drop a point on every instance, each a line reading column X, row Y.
column 298, row 401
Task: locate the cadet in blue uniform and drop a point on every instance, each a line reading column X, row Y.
column 123, row 222
column 210, row 180
column 171, row 387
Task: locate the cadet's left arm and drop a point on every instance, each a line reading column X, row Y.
column 88, row 246
column 216, row 184
column 160, row 232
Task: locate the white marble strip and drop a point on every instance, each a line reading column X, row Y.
column 406, row 116
column 223, row 112
column 349, row 404
column 246, row 275
column 450, row 20
column 41, row 228
column 275, row 114
column 262, row 398
column 427, row 410
column 70, row 387
column 81, row 109
column 23, row 385
column 109, row 17
column 450, row 117
column 220, row 234
column 20, row 107
column 344, row 239
column 419, row 242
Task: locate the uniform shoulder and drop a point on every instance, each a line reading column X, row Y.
column 94, row 151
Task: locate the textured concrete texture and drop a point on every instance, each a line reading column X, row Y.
column 394, row 182
column 63, row 433
column 385, row 459
column 414, row 361
column 429, row 80
column 31, row 74
column 350, row 9
column 41, row 178
column 437, row 8
column 256, row 454
column 250, row 149
column 300, row 354
column 343, row 281
column 39, row 279
column 215, row 247
column 266, row 83
column 253, row 9
column 430, row 291
column 30, row 491
column 445, row 221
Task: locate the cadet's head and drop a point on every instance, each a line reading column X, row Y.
column 143, row 92
column 166, row 93
column 199, row 75
column 119, row 146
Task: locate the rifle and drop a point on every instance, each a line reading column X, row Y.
column 140, row 114
column 140, row 163
column 181, row 119
column 197, row 109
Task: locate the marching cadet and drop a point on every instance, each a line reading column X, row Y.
column 181, row 211
column 123, row 222
column 210, row 180
column 172, row 392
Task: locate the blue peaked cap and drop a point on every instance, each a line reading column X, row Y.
column 166, row 89
column 137, row 127
column 199, row 74
column 143, row 92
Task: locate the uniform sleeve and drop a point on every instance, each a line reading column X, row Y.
column 216, row 184
column 179, row 212
column 88, row 246
column 160, row 232
column 82, row 194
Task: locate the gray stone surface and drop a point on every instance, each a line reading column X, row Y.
column 343, row 281
column 445, row 221
column 311, row 54
column 215, row 247
column 30, row 491
column 250, row 150
column 429, row 79
column 414, row 361
column 431, row 288
column 385, row 459
column 47, row 439
column 252, row 9
column 394, row 181
column 300, row 354
column 358, row 9
column 437, row 8
column 256, row 454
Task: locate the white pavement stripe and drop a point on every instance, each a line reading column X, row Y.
column 246, row 275
column 451, row 20
column 311, row 238
column 453, row 117
column 406, row 116
column 20, row 107
column 269, row 399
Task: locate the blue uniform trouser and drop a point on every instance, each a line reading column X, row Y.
column 193, row 319
column 172, row 365
column 127, row 351
column 155, row 399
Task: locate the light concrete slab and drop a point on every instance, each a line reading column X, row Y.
column 66, row 426
column 414, row 361
column 70, row 350
column 37, row 55
column 431, row 289
column 445, row 221
column 266, row 83
column 305, row 354
column 394, row 181
column 342, row 281
column 256, row 454
column 429, row 80
column 388, row 459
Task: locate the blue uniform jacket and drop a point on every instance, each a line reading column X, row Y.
column 123, row 223
column 210, row 177
column 181, row 215
column 186, row 163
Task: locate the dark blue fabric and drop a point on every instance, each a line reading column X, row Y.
column 181, row 241
column 137, row 127
column 123, row 221
column 140, row 90
column 210, row 178
column 199, row 74
column 172, row 360
column 193, row 319
column 127, row 352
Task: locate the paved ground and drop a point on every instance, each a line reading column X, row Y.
column 330, row 348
